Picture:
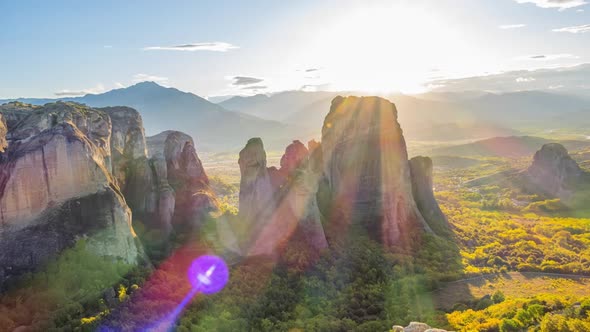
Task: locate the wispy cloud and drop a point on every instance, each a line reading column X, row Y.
column 212, row 46
column 524, row 79
column 255, row 87
column 559, row 4
column 575, row 29
column 512, row 26
column 78, row 93
column 137, row 78
column 245, row 80
column 315, row 87
column 547, row 57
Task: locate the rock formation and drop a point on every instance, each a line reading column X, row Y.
column 421, row 172
column 183, row 195
column 257, row 202
column 415, row 327
column 3, row 132
column 294, row 217
column 553, row 172
column 130, row 165
column 358, row 178
column 367, row 173
column 56, row 187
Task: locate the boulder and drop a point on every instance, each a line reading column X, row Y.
column 417, row 327
column 422, row 189
column 365, row 164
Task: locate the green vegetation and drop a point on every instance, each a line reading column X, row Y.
column 65, row 292
column 516, row 262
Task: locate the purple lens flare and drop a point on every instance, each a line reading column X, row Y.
column 208, row 274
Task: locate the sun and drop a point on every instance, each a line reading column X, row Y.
column 385, row 48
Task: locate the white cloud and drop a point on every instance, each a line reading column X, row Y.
column 580, row 10
column 575, row 29
column 524, row 79
column 556, row 87
column 77, row 93
column 546, row 57
column 559, row 4
column 244, row 80
column 512, row 26
column 137, row 78
column 212, row 46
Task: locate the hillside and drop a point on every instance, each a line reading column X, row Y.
column 507, row 147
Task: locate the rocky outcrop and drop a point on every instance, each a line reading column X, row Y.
column 367, row 173
column 130, row 165
column 3, row 132
column 183, row 195
column 15, row 111
column 56, row 187
column 422, row 189
column 553, row 172
column 257, row 203
column 415, row 327
column 127, row 140
column 295, row 218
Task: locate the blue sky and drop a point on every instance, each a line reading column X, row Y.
column 51, row 48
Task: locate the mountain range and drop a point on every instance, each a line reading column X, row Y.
column 212, row 126
column 280, row 117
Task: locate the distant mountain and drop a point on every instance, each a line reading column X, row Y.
column 451, row 96
column 211, row 126
column 508, row 147
column 529, row 107
column 281, row 106
column 281, row 117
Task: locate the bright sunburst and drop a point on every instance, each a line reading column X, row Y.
column 387, row 48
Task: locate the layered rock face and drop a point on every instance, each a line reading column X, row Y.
column 422, row 189
column 3, row 132
column 130, row 165
column 367, row 172
column 56, row 187
column 183, row 194
column 553, row 171
column 257, row 201
column 291, row 214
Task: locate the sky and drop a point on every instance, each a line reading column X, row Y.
column 212, row 48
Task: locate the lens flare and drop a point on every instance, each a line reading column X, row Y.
column 208, row 274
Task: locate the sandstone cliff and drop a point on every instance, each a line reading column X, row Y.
column 3, row 132
column 358, row 179
column 257, row 202
column 294, row 217
column 553, row 172
column 182, row 191
column 130, row 165
column 368, row 174
column 56, row 187
column 422, row 189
